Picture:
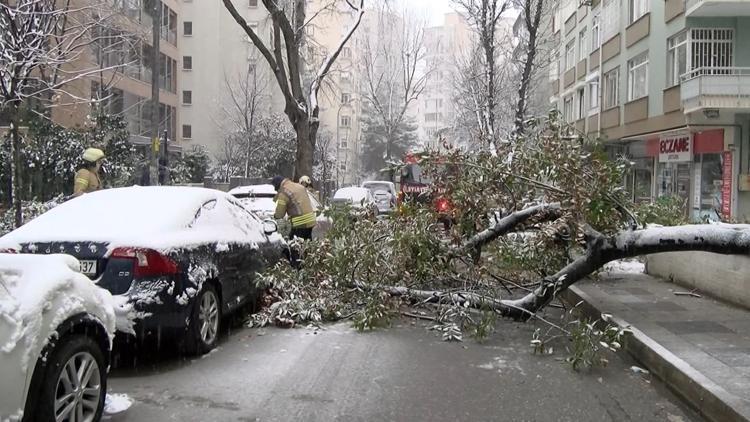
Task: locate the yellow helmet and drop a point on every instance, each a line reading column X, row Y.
column 93, row 154
column 305, row 181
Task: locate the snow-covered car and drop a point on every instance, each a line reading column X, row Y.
column 384, row 193
column 260, row 199
column 179, row 257
column 56, row 328
column 359, row 199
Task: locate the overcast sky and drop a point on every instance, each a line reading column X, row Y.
column 435, row 9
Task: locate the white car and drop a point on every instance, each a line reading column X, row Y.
column 261, row 199
column 359, row 199
column 56, row 328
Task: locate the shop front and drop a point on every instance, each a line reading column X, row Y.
column 691, row 166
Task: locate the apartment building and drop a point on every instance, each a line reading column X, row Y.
column 219, row 67
column 435, row 109
column 667, row 84
column 123, row 50
column 340, row 98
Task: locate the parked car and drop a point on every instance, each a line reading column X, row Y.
column 359, row 199
column 181, row 257
column 56, row 327
column 260, row 199
column 384, row 193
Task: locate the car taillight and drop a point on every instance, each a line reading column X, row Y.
column 8, row 250
column 148, row 262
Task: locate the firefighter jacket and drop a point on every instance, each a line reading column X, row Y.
column 86, row 181
column 292, row 199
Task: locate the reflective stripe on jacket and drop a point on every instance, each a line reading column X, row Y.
column 292, row 199
column 86, row 181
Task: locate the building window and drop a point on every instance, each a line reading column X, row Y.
column 638, row 8
column 187, row 132
column 342, row 166
column 595, row 33
column 345, row 76
column 345, row 98
column 570, row 55
column 610, row 19
column 187, row 97
column 581, row 102
column 343, row 144
column 345, row 121
column 594, row 94
column 611, row 88
column 187, row 28
column 582, row 44
column 568, row 108
column 252, row 3
column 676, row 58
column 638, row 77
column 187, row 62
column 346, row 52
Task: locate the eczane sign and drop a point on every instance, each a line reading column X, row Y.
column 676, row 148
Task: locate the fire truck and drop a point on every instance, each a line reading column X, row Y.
column 418, row 186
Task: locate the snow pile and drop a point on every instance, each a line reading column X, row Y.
column 117, row 403
column 625, row 266
column 253, row 190
column 183, row 217
column 38, row 293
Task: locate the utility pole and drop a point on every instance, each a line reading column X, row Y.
column 155, row 66
column 165, row 145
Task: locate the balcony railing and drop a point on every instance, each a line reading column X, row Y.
column 717, row 8
column 716, row 87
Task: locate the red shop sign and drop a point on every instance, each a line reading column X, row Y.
column 726, row 185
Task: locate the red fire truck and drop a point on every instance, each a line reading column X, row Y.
column 417, row 186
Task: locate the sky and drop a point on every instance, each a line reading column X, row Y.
column 434, row 9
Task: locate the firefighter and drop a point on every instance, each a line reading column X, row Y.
column 307, row 183
column 292, row 200
column 87, row 178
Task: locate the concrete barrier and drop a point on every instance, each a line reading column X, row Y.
column 726, row 277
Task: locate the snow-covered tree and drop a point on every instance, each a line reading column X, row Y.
column 547, row 210
column 39, row 39
column 284, row 55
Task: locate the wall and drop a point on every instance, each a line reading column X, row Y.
column 722, row 276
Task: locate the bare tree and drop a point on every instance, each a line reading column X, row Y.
column 39, row 42
column 394, row 70
column 246, row 96
column 485, row 16
column 284, row 56
column 534, row 14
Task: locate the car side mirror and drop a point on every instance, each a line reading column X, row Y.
column 270, row 227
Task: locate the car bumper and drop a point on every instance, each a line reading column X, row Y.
column 152, row 306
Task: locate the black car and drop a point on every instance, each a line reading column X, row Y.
column 176, row 258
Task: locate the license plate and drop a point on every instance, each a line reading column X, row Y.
column 88, row 266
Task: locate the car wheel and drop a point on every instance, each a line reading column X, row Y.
column 205, row 322
column 75, row 382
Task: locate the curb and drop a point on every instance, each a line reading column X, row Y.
column 705, row 396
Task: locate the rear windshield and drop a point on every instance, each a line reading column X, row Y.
column 374, row 187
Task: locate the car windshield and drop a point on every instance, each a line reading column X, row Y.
column 412, row 173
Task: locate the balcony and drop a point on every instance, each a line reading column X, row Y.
column 716, row 87
column 707, row 8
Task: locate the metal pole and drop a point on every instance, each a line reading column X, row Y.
column 165, row 145
column 155, row 67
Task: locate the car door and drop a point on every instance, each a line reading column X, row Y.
column 254, row 255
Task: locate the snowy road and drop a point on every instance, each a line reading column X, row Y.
column 402, row 374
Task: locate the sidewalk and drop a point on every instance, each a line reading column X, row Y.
column 700, row 347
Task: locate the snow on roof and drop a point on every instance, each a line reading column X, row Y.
column 355, row 194
column 255, row 189
column 154, row 217
column 38, row 287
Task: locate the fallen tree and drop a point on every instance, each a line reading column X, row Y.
column 547, row 212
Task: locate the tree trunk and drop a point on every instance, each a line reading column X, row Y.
column 306, row 134
column 16, row 167
column 532, row 26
